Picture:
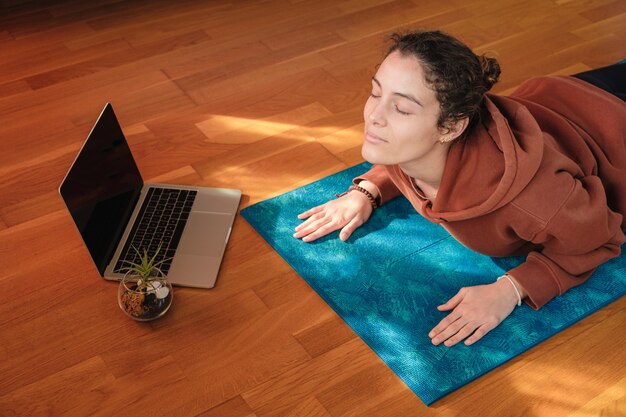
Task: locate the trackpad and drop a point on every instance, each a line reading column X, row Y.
column 205, row 234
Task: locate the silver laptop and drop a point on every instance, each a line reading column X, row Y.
column 115, row 212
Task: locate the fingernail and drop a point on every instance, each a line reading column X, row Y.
column 431, row 334
column 435, row 341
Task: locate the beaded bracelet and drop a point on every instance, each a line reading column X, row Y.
column 519, row 296
column 373, row 200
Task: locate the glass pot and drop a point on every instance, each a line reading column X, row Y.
column 145, row 301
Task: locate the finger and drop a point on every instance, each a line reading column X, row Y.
column 310, row 211
column 443, row 324
column 322, row 231
column 449, row 331
column 312, row 227
column 313, row 217
column 463, row 332
column 453, row 302
column 352, row 225
column 479, row 333
column 311, row 224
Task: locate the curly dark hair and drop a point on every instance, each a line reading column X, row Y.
column 459, row 77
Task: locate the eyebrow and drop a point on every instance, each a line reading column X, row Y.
column 407, row 96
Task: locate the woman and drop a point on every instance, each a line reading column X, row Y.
column 541, row 172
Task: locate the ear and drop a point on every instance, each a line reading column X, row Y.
column 454, row 128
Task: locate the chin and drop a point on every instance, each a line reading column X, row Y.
column 373, row 156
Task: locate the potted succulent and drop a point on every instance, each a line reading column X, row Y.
column 145, row 293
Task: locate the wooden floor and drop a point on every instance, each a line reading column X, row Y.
column 264, row 96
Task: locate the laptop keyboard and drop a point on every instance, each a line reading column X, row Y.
column 161, row 220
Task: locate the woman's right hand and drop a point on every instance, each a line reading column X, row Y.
column 346, row 213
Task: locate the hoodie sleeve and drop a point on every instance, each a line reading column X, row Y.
column 580, row 236
column 379, row 176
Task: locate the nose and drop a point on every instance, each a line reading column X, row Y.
column 376, row 114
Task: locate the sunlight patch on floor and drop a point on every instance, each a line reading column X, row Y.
column 232, row 129
column 610, row 402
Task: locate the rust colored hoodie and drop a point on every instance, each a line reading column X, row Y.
column 543, row 174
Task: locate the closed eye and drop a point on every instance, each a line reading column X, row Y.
column 395, row 106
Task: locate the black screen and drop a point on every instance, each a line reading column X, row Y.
column 102, row 188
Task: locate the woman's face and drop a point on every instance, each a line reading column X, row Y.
column 401, row 115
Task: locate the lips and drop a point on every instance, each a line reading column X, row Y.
column 372, row 138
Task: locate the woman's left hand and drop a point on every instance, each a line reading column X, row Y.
column 475, row 311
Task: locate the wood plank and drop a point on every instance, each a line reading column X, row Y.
column 279, row 397
column 307, row 157
column 32, row 235
column 13, row 88
column 611, row 402
column 205, row 88
column 31, row 208
column 117, row 58
column 50, row 59
column 604, row 11
column 310, row 407
column 613, row 25
column 228, row 129
column 235, row 407
column 325, row 335
column 376, row 384
column 86, row 377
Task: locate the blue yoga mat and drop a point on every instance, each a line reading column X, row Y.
column 388, row 278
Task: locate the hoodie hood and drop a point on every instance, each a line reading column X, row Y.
column 492, row 165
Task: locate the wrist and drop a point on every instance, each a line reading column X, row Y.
column 511, row 290
column 519, row 287
column 370, row 187
column 374, row 202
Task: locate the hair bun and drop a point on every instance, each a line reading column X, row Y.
column 490, row 69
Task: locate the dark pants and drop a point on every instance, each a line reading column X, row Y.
column 611, row 79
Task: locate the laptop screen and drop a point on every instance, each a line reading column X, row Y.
column 102, row 188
